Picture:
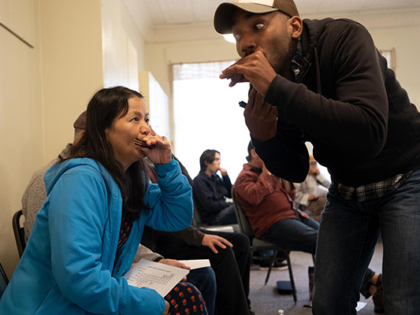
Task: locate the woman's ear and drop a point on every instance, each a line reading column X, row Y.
column 296, row 26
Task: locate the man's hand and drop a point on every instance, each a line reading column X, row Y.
column 223, row 171
column 265, row 170
column 253, row 68
column 175, row 263
column 260, row 117
column 211, row 241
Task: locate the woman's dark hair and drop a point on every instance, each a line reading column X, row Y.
column 104, row 107
column 207, row 156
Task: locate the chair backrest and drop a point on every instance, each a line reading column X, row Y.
column 19, row 232
column 3, row 280
column 197, row 220
column 243, row 221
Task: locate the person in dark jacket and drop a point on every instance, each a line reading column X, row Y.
column 324, row 81
column 210, row 191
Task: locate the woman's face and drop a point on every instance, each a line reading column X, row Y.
column 121, row 135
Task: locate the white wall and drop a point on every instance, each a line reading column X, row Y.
column 123, row 46
column 71, row 65
column 21, row 128
column 403, row 39
column 44, row 89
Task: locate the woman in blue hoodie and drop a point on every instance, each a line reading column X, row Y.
column 87, row 232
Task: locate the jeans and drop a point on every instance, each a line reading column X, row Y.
column 225, row 217
column 231, row 267
column 205, row 281
column 292, row 234
column 346, row 242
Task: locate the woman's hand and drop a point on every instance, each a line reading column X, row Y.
column 166, row 311
column 158, row 148
column 175, row 263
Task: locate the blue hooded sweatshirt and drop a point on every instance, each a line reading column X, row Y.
column 69, row 264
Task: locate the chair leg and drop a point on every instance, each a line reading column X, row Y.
column 292, row 281
column 272, row 259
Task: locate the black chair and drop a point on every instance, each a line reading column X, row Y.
column 3, row 280
column 257, row 244
column 199, row 223
column 19, row 232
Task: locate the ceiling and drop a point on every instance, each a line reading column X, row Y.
column 160, row 14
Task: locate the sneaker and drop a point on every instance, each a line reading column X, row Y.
column 378, row 297
column 278, row 265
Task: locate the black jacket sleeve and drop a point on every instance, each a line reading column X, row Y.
column 228, row 185
column 204, row 195
column 285, row 160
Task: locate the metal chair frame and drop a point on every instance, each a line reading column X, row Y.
column 19, row 232
column 258, row 244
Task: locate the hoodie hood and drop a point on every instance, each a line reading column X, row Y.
column 57, row 170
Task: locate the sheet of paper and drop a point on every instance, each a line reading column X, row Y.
column 320, row 191
column 196, row 263
column 153, row 275
column 360, row 305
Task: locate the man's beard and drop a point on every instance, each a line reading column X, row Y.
column 282, row 60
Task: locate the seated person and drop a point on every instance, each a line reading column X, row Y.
column 311, row 194
column 229, row 255
column 86, row 234
column 35, row 195
column 210, row 191
column 268, row 203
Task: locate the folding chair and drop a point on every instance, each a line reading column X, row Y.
column 3, row 281
column 19, row 232
column 257, row 244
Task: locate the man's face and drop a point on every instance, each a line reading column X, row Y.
column 214, row 167
column 269, row 33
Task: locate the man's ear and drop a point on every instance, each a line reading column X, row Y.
column 296, row 26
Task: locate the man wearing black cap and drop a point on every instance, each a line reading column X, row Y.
column 323, row 81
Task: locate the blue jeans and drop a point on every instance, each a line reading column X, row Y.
column 292, row 234
column 205, row 281
column 225, row 217
column 346, row 242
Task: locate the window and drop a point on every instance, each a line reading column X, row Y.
column 390, row 57
column 207, row 116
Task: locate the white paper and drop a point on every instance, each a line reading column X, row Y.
column 153, row 275
column 196, row 263
column 320, row 191
column 360, row 306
